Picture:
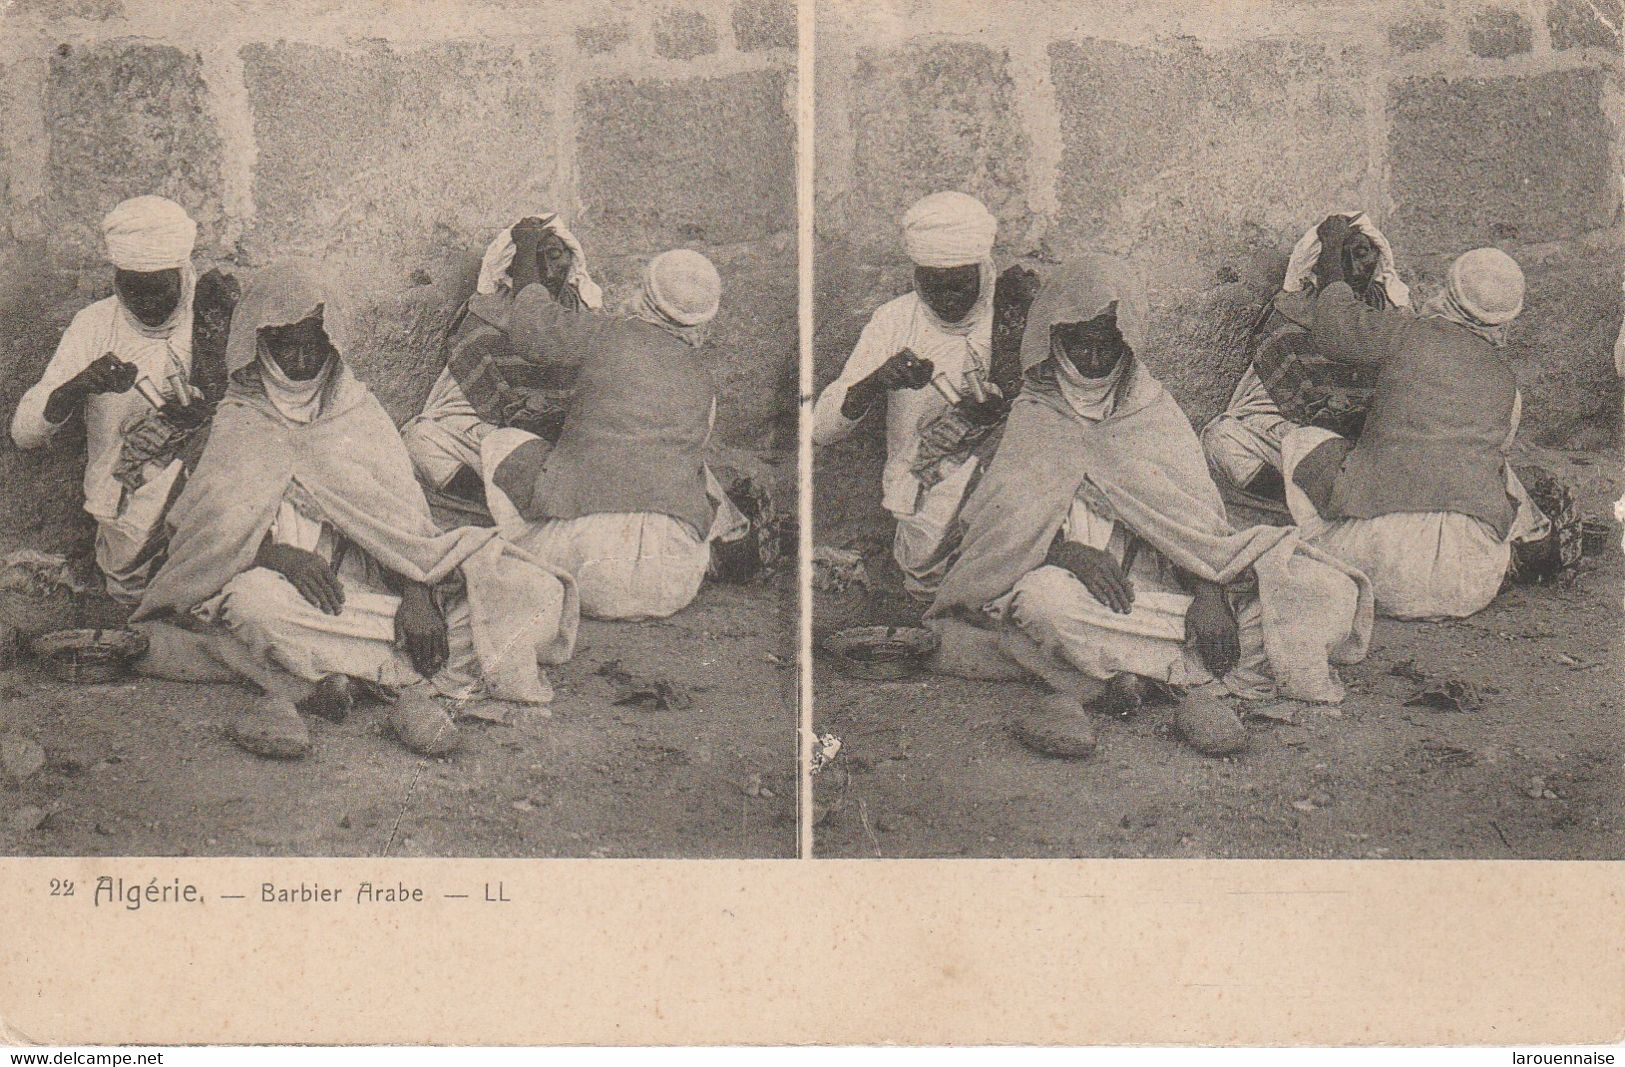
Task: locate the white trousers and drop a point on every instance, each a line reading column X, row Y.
column 128, row 547
column 1061, row 616
column 1247, row 436
column 446, row 436
column 917, row 545
column 284, row 630
column 1422, row 564
column 627, row 565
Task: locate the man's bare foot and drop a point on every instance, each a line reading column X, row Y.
column 1316, row 474
column 1057, row 725
column 1209, row 726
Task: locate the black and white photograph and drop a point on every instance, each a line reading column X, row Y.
column 401, row 424
column 1217, row 430
column 787, row 447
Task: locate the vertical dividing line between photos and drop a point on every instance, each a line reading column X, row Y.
column 805, row 16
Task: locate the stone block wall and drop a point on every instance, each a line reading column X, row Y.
column 1200, row 138
column 389, row 140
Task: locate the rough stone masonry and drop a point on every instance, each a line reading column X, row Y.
column 389, row 140
column 1199, row 138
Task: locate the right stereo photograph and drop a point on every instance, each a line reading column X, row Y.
column 1217, row 430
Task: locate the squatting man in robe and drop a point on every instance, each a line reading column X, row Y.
column 1425, row 503
column 122, row 363
column 1098, row 561
column 621, row 498
column 304, row 558
column 941, row 331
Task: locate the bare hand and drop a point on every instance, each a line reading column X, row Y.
column 186, row 416
column 987, row 412
column 1017, row 285
column 540, row 416
column 1333, row 232
column 421, row 631
column 904, row 370
column 308, row 573
column 1211, row 626
column 1100, row 574
column 108, row 374
column 528, row 233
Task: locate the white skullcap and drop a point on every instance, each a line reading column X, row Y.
column 684, row 286
column 948, row 230
column 1488, row 285
column 149, row 233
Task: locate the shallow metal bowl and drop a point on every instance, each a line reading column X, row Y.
column 881, row 653
column 89, row 656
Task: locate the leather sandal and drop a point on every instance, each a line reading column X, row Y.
column 1056, row 726
column 272, row 728
column 423, row 725
column 1208, row 726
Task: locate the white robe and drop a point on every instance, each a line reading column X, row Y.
column 127, row 522
column 283, row 630
column 1053, row 607
column 923, row 515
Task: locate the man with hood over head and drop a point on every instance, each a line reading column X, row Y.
column 1098, row 559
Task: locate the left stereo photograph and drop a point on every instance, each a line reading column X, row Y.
column 400, row 411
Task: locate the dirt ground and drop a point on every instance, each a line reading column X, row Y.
column 929, row 769
column 143, row 767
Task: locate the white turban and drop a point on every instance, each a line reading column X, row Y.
column 499, row 255
column 1488, row 284
column 948, row 230
column 681, row 293
column 149, row 233
column 1484, row 293
column 684, row 286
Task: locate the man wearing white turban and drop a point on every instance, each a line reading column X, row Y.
column 141, row 335
column 1425, row 504
column 487, row 382
column 941, row 332
column 623, row 501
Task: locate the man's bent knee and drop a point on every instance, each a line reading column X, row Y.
column 259, row 597
column 1224, row 442
column 1049, row 592
column 1316, row 473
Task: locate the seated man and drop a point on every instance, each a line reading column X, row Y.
column 487, row 383
column 941, row 332
column 119, row 359
column 1425, row 504
column 624, row 501
column 303, row 542
column 1097, row 553
column 1243, row 444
